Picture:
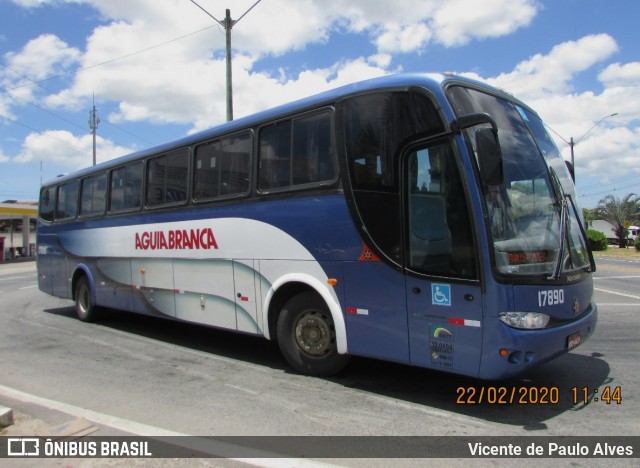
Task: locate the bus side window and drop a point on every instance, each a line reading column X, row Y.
column 156, row 170
column 126, row 187
column 67, row 201
column 47, row 204
column 296, row 152
column 236, row 164
column 222, row 167
column 275, row 156
column 177, row 176
column 312, row 150
column 133, row 194
column 167, row 177
column 207, row 171
column 99, row 202
column 93, row 195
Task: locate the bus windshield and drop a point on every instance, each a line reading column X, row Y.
column 533, row 218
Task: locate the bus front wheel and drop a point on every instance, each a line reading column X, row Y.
column 307, row 336
column 86, row 310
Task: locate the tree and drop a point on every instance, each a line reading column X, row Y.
column 589, row 216
column 620, row 213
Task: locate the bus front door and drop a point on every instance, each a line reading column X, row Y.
column 444, row 300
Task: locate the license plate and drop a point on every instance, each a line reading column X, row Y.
column 574, row 340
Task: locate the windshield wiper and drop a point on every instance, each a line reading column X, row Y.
column 583, row 233
column 563, row 234
column 563, row 224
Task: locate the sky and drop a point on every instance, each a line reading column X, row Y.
column 155, row 70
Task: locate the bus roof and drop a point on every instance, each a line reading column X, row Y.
column 433, row 81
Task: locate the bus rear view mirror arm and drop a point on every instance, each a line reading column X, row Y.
column 489, row 157
column 487, row 145
column 471, row 120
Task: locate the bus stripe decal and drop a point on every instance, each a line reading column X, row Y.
column 464, row 322
column 356, row 311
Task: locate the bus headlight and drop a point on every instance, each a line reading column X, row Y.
column 526, row 320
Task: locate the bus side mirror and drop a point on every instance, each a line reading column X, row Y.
column 489, row 156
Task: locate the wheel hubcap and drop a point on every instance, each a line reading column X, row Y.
column 314, row 334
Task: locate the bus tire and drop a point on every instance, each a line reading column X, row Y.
column 307, row 337
column 86, row 310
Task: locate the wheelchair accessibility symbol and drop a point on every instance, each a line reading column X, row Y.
column 441, row 294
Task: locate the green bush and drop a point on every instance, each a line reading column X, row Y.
column 637, row 244
column 597, row 240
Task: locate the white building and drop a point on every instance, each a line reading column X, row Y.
column 17, row 229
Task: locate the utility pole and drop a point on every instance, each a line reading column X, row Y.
column 573, row 142
column 94, row 120
column 228, row 24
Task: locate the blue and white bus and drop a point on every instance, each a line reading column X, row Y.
column 424, row 219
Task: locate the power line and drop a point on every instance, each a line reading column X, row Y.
column 609, row 190
column 13, row 96
column 612, row 180
column 106, row 62
column 79, row 70
column 71, row 103
column 17, row 122
column 228, row 24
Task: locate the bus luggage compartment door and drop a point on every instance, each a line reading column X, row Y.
column 244, row 279
column 152, row 280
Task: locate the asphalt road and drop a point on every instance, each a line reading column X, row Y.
column 138, row 375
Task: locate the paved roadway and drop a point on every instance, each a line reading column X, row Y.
column 130, row 374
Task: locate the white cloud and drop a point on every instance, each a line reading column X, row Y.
column 456, row 22
column 380, row 60
column 31, row 3
column 184, row 81
column 605, row 145
column 403, row 38
column 5, row 107
column 610, row 152
column 258, row 91
column 63, row 148
column 553, row 73
column 617, row 74
column 41, row 57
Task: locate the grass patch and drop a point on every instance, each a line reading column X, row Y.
column 629, row 253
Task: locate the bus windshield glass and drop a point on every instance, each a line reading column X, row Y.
column 533, row 218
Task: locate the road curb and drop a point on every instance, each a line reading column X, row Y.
column 6, row 416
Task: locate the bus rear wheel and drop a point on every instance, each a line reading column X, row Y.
column 307, row 336
column 86, row 310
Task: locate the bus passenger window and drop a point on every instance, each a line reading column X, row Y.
column 312, row 160
column 167, row 178
column 222, row 167
column 207, row 171
column 236, row 164
column 275, row 156
column 296, row 153
column 93, row 195
column 126, row 188
column 67, row 203
column 47, row 204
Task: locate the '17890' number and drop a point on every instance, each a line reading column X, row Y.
column 550, row 297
